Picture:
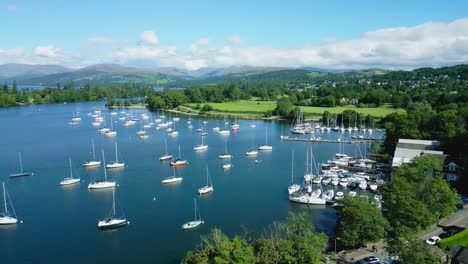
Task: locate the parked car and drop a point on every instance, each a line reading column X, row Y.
column 369, row 260
column 433, row 240
column 464, row 199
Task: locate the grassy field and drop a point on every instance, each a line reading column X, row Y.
column 377, row 112
column 242, row 106
column 258, row 107
column 460, row 239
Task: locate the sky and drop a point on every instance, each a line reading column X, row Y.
column 193, row 34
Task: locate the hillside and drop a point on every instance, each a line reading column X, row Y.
column 10, row 72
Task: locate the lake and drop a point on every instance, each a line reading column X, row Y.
column 60, row 223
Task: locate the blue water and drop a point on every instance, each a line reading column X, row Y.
column 60, row 223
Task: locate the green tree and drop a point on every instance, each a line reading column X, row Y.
column 219, row 248
column 283, row 107
column 359, row 222
column 413, row 251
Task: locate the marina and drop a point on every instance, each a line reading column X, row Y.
column 157, row 210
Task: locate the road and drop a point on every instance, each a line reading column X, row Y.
column 458, row 219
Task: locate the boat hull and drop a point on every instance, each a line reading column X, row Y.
column 69, row 181
column 265, row 147
column 112, row 223
column 8, row 220
column 163, row 158
column 178, row 163
column 101, row 185
column 115, row 165
column 172, row 180
column 92, row 164
column 205, row 190
column 192, row 224
column 21, row 174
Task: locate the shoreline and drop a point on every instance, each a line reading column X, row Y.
column 218, row 114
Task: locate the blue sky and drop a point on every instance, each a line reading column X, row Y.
column 67, row 30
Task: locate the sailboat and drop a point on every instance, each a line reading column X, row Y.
column 309, row 197
column 197, row 221
column 225, row 131
column 265, row 146
column 209, row 185
column 104, row 184
column 93, row 162
column 6, row 218
column 165, row 156
column 216, row 128
column 112, row 221
column 173, row 132
column 200, row 147
column 226, row 155
column 252, row 125
column 293, row 187
column 252, row 151
column 172, row 179
column 115, row 164
column 179, row 161
column 21, row 173
column 103, row 130
column 111, row 132
column 70, row 180
column 141, row 131
column 235, row 125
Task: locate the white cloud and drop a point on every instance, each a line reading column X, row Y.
column 235, row 40
column 16, row 52
column 47, row 51
column 195, row 64
column 101, row 40
column 428, row 44
column 12, row 8
column 148, row 37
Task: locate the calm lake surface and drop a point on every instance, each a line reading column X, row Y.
column 60, row 223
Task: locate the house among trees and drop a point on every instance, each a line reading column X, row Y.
column 451, row 171
column 407, row 149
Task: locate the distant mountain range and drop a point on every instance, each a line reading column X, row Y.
column 114, row 74
column 19, row 72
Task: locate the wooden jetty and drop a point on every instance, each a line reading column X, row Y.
column 287, row 138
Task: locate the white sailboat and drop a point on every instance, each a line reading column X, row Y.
column 225, row 131
column 197, row 221
column 6, row 218
column 93, row 162
column 225, row 155
column 293, row 187
column 172, row 179
column 200, row 147
column 21, row 173
column 115, row 164
column 104, row 184
column 209, row 185
column 216, row 128
column 165, row 156
column 70, row 180
column 227, row 166
column 265, row 146
column 252, row 151
column 252, row 125
column 112, row 221
column 111, row 132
